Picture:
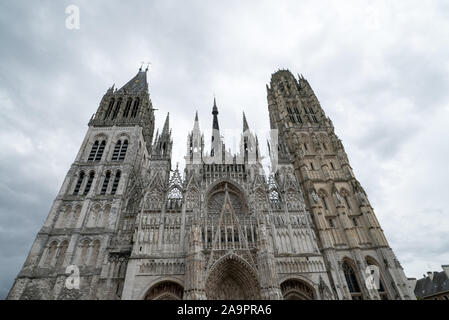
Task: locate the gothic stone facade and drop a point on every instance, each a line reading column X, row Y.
column 137, row 229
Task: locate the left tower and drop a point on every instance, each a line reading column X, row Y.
column 91, row 222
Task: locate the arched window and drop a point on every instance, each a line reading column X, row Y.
column 105, row 216
column 75, row 217
column 116, row 182
column 109, row 110
column 120, row 150
column 100, row 151
column 83, row 253
column 123, row 150
column 117, row 108
column 51, row 253
column 298, row 116
column 290, row 114
column 97, row 151
column 135, row 108
column 94, row 253
column 89, row 183
column 61, row 254
column 352, row 282
column 93, row 217
column 322, row 196
column 79, row 182
column 107, row 177
column 117, row 148
column 93, row 151
column 127, row 108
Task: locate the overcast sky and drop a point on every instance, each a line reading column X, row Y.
column 379, row 68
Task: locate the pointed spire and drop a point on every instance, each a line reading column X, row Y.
column 215, row 125
column 166, row 124
column 137, row 84
column 196, row 125
column 245, row 123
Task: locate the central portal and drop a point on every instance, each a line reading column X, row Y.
column 231, row 278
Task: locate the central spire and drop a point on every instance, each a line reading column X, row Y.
column 216, row 144
column 215, row 113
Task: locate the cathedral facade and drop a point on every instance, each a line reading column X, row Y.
column 127, row 224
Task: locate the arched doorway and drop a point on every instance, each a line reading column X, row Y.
column 294, row 289
column 231, row 278
column 165, row 290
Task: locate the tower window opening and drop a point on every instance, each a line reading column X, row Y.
column 351, row 280
column 117, row 108
column 354, row 220
column 331, row 223
column 97, row 151
column 290, row 115
column 109, row 110
column 311, row 166
column 93, row 151
column 78, row 183
column 106, row 182
column 127, row 108
column 135, row 108
column 332, row 165
column 123, row 150
column 89, row 183
column 100, row 151
column 117, row 148
column 116, row 182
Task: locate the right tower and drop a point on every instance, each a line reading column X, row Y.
column 350, row 237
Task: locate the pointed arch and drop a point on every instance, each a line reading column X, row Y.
column 127, row 108
column 79, row 182
column 51, row 252
column 297, row 289
column 232, row 277
column 61, row 253
column 165, row 290
column 95, row 251
column 75, row 216
column 352, row 279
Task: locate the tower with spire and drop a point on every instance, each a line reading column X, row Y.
column 349, row 233
column 89, row 229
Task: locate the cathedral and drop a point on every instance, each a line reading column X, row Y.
column 128, row 224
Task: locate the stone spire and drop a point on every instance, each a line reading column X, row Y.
column 245, row 123
column 216, row 140
column 215, row 125
column 166, row 125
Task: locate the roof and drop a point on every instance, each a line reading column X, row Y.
column 138, row 83
column 428, row 287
